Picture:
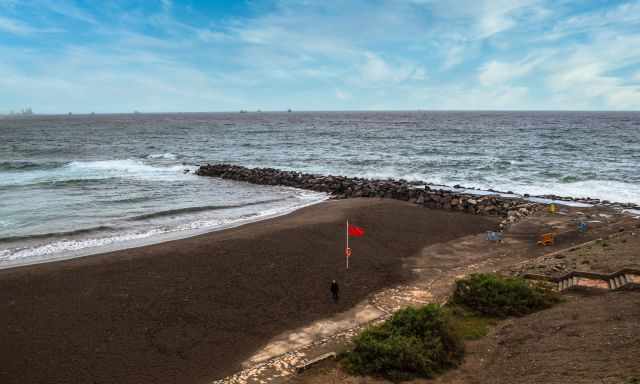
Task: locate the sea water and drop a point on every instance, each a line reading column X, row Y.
column 83, row 182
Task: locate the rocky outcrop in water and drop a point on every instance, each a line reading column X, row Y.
column 341, row 187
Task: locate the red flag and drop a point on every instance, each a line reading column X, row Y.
column 355, row 231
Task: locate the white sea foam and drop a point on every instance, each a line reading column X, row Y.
column 96, row 170
column 601, row 189
column 122, row 168
column 166, row 156
column 75, row 247
column 611, row 190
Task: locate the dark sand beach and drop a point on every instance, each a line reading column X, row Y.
column 192, row 310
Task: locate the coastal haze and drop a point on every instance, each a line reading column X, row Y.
column 77, row 183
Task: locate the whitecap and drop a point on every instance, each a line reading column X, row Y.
column 166, row 156
column 97, row 170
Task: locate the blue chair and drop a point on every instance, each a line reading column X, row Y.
column 582, row 226
column 494, row 236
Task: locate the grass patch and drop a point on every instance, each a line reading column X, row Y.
column 415, row 342
column 497, row 296
column 422, row 342
column 468, row 325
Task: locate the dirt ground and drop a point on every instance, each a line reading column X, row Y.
column 606, row 256
column 593, row 337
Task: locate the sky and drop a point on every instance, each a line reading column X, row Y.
column 60, row 56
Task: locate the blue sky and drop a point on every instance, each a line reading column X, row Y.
column 168, row 55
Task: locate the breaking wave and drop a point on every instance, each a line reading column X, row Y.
column 37, row 236
column 179, row 211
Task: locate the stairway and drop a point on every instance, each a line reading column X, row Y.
column 624, row 278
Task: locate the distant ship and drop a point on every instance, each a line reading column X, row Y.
column 243, row 111
column 289, row 110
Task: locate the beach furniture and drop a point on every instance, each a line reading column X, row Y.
column 494, row 236
column 582, row 226
column 547, row 239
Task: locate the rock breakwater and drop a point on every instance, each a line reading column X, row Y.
column 342, row 187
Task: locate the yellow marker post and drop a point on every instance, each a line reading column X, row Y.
column 552, row 208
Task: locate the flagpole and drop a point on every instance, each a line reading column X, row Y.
column 346, row 251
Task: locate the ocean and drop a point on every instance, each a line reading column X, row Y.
column 72, row 185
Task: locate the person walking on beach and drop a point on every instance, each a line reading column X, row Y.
column 335, row 291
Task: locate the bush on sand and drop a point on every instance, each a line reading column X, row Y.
column 415, row 342
column 494, row 295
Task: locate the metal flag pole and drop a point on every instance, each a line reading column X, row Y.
column 346, row 250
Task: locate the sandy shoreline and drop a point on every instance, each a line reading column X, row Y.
column 146, row 241
column 193, row 309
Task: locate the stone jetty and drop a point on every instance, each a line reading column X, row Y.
column 342, row 187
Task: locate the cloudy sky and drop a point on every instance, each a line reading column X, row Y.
column 168, row 55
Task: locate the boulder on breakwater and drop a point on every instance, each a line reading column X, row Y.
column 342, row 187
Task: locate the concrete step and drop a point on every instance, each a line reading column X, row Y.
column 568, row 283
column 613, row 283
column 616, row 283
column 302, row 367
column 629, row 278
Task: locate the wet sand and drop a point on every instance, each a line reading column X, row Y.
column 191, row 310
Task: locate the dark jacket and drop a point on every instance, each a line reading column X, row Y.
column 334, row 288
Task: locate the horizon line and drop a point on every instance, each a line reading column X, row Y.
column 135, row 112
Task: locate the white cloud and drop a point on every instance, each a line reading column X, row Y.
column 388, row 54
column 342, row 95
column 454, row 55
column 623, row 14
column 496, row 72
column 469, row 98
column 8, row 3
column 67, row 9
column 15, row 27
column 498, row 16
column 482, row 19
column 166, row 5
column 624, row 98
column 588, row 71
column 84, row 80
column 375, row 71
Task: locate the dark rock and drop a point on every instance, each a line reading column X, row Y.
column 341, row 187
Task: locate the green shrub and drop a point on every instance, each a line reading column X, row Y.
column 498, row 296
column 415, row 342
